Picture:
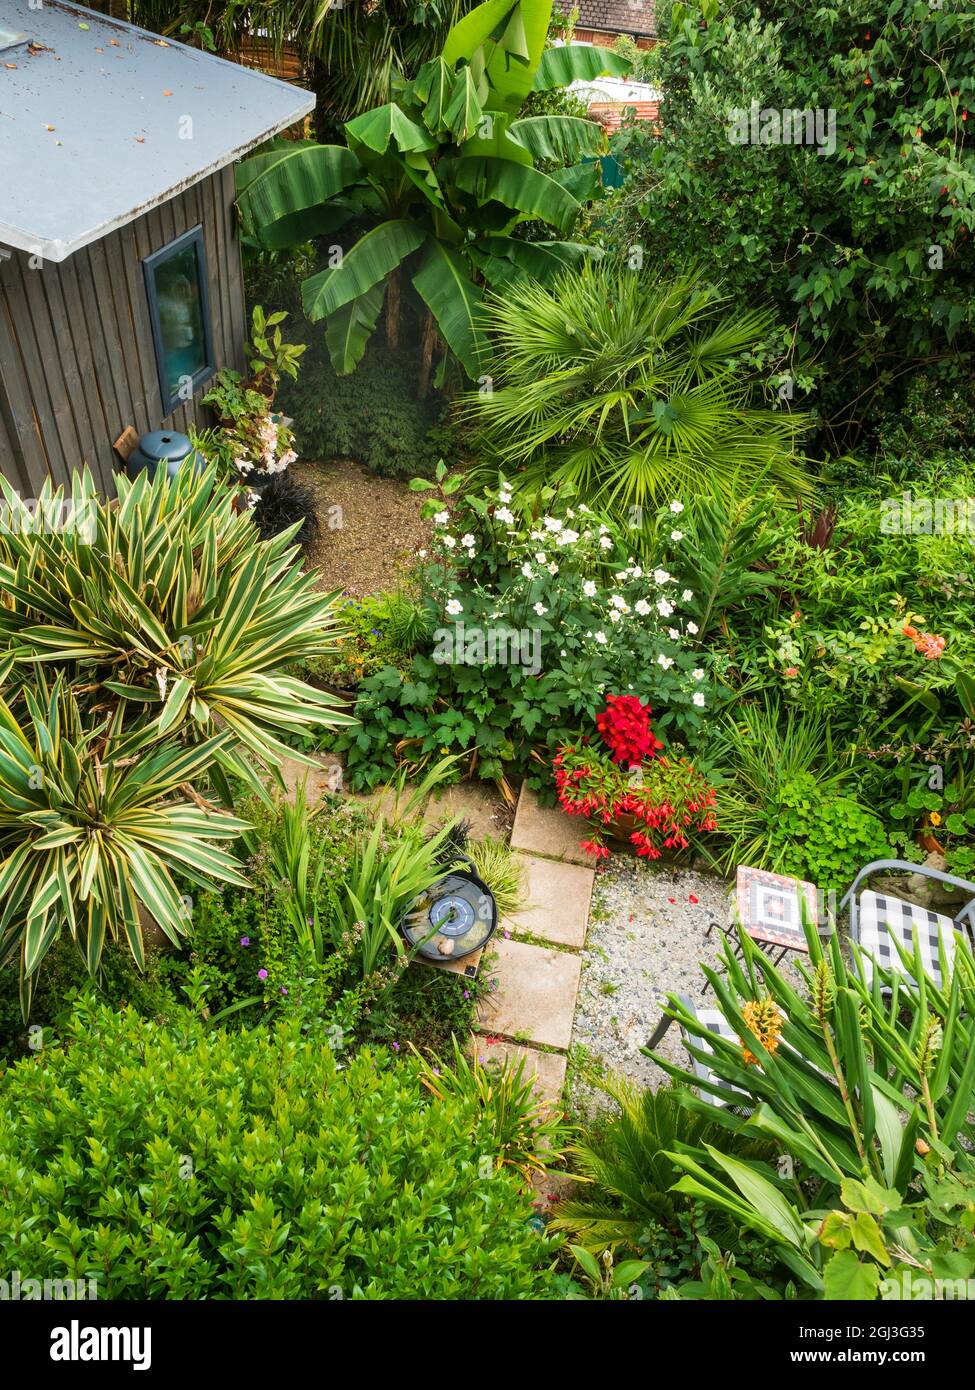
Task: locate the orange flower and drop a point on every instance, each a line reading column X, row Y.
column 765, row 1021
column 928, row 644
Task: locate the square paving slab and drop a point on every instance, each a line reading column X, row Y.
column 556, row 901
column 535, row 996
column 547, row 830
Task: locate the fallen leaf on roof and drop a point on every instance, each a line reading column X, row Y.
column 10, row 65
column 99, row 50
column 115, row 43
column 167, row 92
column 139, row 139
column 161, row 42
column 49, row 127
column 83, row 26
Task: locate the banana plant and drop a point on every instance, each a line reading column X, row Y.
column 446, row 172
column 93, row 825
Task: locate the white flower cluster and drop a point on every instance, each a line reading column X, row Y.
column 531, row 556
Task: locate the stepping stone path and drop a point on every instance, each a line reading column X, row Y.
column 535, row 960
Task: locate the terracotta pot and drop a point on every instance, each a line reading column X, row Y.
column 624, row 825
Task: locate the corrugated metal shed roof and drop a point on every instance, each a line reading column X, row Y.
column 100, row 121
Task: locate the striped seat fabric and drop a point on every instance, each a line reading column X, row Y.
column 714, row 1022
column 882, row 920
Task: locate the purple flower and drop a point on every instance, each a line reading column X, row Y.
column 262, row 974
column 467, row 994
column 245, row 941
column 283, row 990
column 396, row 1047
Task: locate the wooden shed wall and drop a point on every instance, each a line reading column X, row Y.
column 76, row 353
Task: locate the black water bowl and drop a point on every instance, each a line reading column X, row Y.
column 455, row 918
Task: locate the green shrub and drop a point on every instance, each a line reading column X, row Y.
column 372, row 416
column 822, row 837
column 191, row 1163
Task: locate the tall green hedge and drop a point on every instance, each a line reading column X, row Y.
column 192, row 1163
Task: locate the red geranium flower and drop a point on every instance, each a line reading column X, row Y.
column 625, row 727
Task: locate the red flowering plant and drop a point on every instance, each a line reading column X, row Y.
column 628, row 787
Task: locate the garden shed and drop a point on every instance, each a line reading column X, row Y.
column 121, row 289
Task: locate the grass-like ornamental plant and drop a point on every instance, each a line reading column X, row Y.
column 854, row 1083
column 619, row 384
column 142, row 649
column 254, row 1165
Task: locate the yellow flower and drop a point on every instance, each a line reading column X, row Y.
column 445, row 749
column 765, row 1021
column 935, row 818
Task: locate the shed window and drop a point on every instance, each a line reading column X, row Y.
column 179, row 307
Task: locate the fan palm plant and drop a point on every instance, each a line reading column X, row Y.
column 624, row 386
column 628, row 1171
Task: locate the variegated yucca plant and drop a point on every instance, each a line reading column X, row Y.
column 143, row 648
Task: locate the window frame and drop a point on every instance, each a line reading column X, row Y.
column 194, row 238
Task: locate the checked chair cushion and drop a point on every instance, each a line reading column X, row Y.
column 883, row 920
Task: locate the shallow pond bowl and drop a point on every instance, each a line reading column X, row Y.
column 455, row 918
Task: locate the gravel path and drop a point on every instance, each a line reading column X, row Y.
column 369, row 528
column 646, row 934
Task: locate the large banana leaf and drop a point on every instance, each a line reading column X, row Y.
column 464, row 112
column 454, row 300
column 502, row 259
column 432, row 87
column 279, row 184
column 575, row 62
column 527, row 191
column 348, row 330
column 509, row 39
column 388, row 125
column 493, row 141
column 563, row 138
column 367, row 264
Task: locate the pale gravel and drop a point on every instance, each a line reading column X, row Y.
column 646, row 938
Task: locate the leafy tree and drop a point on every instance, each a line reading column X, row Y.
column 866, row 249
column 445, row 175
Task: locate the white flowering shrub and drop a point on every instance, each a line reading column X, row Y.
column 535, row 620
